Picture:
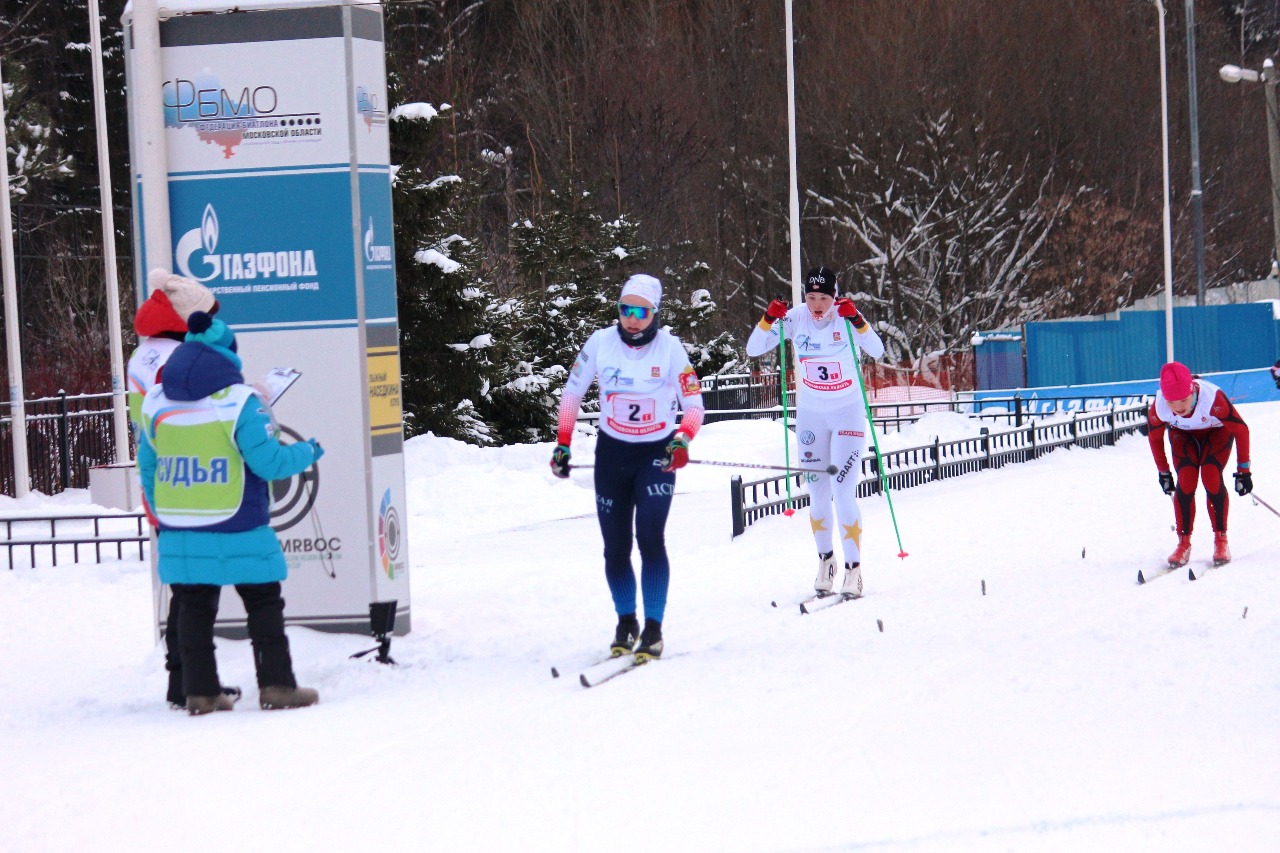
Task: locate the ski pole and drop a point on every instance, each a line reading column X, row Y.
column 782, row 388
column 871, row 425
column 1258, row 500
column 830, row 469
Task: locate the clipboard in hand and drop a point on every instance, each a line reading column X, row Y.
column 276, row 382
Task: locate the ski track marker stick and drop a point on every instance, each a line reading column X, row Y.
column 871, row 425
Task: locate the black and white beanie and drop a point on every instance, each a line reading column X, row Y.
column 820, row 280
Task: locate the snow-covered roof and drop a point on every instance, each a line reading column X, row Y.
column 170, row 8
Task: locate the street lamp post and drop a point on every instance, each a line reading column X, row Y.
column 1234, row 74
column 1168, row 226
column 1197, row 194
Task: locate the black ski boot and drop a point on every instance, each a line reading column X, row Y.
column 650, row 641
column 624, row 638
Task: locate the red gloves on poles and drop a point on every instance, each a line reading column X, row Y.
column 846, row 308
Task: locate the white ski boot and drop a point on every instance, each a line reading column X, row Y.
column 826, row 573
column 852, row 587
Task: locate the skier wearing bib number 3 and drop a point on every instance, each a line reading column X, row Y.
column 831, row 421
column 645, row 378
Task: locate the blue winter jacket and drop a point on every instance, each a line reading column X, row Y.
column 225, row 555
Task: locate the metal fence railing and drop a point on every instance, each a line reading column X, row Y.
column 40, row 540
column 66, row 436
column 914, row 466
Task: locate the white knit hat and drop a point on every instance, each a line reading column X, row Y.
column 185, row 295
column 646, row 287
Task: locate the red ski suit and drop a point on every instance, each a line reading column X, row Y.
column 1201, row 444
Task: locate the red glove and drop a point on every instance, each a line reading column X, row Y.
column 846, row 308
column 677, row 453
column 776, row 311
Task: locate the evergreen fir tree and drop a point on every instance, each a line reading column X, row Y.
column 444, row 356
column 572, row 264
column 694, row 322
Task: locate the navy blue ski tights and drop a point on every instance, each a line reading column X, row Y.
column 630, row 485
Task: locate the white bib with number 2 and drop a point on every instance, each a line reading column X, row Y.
column 634, row 415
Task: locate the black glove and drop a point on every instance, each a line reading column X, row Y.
column 560, row 461
column 1244, row 483
column 1166, row 482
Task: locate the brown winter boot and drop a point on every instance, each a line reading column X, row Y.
column 1182, row 553
column 1221, row 553
column 278, row 697
column 197, row 705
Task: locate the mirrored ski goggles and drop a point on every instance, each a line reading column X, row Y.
column 635, row 312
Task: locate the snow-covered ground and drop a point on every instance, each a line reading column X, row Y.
column 1066, row 709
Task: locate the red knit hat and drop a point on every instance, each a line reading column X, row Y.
column 1175, row 381
column 156, row 315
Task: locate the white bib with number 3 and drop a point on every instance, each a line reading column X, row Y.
column 825, row 375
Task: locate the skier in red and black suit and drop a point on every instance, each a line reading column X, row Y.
column 1202, row 425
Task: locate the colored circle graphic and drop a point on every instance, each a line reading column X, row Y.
column 388, row 534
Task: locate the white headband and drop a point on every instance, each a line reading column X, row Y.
column 646, row 287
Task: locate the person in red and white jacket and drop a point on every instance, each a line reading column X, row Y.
column 1202, row 425
column 645, row 379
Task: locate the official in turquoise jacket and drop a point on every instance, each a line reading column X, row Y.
column 207, row 453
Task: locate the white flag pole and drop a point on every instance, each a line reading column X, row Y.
column 120, row 418
column 17, row 405
column 791, row 141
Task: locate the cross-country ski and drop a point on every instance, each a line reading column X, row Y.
column 601, row 673
column 1148, row 575
column 824, row 602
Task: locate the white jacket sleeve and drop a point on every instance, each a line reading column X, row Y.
column 583, row 372
column 763, row 338
column 688, row 389
column 869, row 341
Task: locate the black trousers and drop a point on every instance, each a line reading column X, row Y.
column 197, row 606
column 173, row 653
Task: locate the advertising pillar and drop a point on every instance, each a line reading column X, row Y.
column 277, row 165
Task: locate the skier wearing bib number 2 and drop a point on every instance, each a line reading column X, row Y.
column 645, row 377
column 831, row 421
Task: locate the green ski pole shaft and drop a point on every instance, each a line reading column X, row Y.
column 871, row 425
column 782, row 388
